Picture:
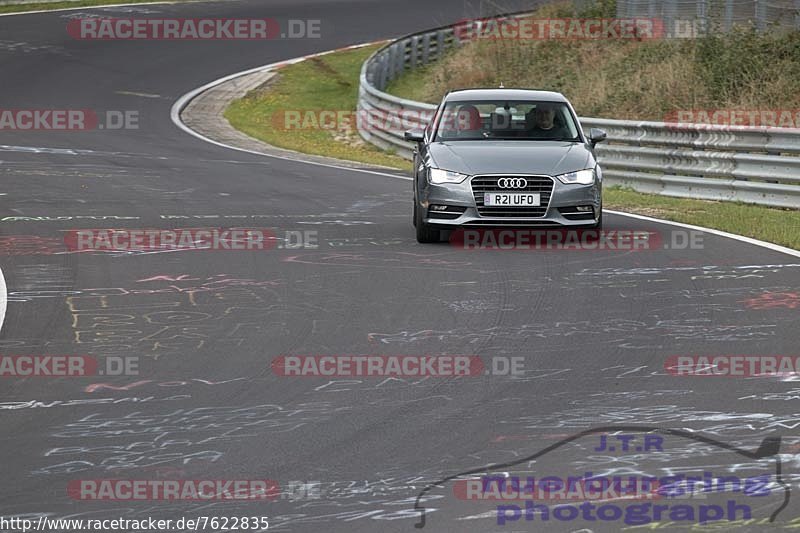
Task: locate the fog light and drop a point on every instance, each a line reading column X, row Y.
column 438, row 208
column 584, row 209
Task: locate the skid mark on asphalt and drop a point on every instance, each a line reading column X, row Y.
column 175, row 318
column 42, row 276
column 698, row 272
column 399, row 260
column 177, row 437
column 84, row 402
column 629, row 333
column 66, row 218
column 24, row 47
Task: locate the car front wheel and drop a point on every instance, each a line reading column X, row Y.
column 599, row 224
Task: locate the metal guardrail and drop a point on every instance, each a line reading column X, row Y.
column 722, row 15
column 753, row 165
column 374, row 105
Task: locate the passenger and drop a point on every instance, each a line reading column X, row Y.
column 468, row 121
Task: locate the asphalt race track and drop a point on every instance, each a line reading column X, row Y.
column 593, row 328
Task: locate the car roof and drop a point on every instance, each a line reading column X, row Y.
column 504, row 94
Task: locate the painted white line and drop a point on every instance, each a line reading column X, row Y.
column 88, row 7
column 741, row 238
column 184, row 100
column 3, row 299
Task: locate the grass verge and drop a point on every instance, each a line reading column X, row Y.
column 47, row 6
column 779, row 226
column 326, row 83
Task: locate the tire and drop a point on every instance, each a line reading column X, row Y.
column 596, row 226
column 425, row 233
column 599, row 225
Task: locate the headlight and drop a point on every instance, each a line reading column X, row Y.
column 438, row 175
column 581, row 177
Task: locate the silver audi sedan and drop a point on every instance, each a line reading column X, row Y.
column 505, row 157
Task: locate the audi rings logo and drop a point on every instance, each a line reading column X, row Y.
column 512, row 183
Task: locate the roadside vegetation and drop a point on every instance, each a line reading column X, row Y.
column 327, row 83
column 778, row 226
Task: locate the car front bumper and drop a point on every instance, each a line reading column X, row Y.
column 458, row 196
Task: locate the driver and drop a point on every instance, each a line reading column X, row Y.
column 540, row 123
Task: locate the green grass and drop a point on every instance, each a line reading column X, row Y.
column 44, row 6
column 411, row 85
column 779, row 226
column 329, row 83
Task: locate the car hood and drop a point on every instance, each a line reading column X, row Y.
column 511, row 157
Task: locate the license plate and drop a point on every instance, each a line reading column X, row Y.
column 511, row 199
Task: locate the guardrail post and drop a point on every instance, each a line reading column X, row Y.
column 426, row 48
column 400, row 66
column 392, row 68
column 702, row 17
column 412, row 52
column 760, row 14
column 728, row 15
column 383, row 72
column 670, row 18
column 440, row 42
column 389, row 64
column 797, row 14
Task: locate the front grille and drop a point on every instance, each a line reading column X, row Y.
column 541, row 184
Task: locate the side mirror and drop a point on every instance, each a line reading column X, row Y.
column 415, row 136
column 597, row 135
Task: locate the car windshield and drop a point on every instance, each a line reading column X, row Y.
column 506, row 120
